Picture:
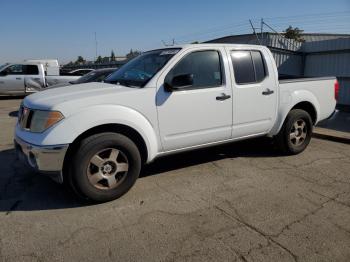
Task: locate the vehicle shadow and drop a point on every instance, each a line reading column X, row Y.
column 4, row 97
column 13, row 113
column 21, row 189
column 259, row 147
column 340, row 121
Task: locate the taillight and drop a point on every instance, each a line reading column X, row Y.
column 336, row 90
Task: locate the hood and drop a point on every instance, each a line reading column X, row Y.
column 69, row 98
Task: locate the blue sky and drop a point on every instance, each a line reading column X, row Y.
column 65, row 29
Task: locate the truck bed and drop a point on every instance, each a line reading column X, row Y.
column 289, row 79
column 321, row 88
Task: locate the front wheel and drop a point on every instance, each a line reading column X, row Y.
column 105, row 167
column 295, row 134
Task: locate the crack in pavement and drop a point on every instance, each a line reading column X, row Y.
column 295, row 257
column 333, row 199
column 312, row 212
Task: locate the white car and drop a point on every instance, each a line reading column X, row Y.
column 96, row 136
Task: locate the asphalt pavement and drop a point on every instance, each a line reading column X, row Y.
column 238, row 202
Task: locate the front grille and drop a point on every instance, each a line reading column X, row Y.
column 25, row 117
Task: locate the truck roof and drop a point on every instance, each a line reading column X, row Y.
column 186, row 46
column 214, row 44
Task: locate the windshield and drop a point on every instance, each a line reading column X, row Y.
column 141, row 69
column 2, row 66
column 86, row 78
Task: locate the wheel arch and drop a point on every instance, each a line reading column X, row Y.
column 307, row 107
column 128, row 131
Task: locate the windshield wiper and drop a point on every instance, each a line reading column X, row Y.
column 121, row 82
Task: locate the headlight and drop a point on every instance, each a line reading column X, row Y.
column 42, row 120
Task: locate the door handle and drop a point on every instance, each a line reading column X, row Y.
column 267, row 92
column 18, row 78
column 223, row 97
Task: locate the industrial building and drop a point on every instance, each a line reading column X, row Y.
column 319, row 55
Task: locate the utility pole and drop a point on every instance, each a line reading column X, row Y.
column 95, row 46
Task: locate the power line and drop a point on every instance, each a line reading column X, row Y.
column 309, row 15
column 331, row 20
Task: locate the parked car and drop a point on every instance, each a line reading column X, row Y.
column 98, row 75
column 28, row 77
column 77, row 72
column 97, row 136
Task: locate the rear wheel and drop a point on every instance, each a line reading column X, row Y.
column 295, row 134
column 105, row 167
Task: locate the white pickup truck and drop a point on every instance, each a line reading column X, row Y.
column 28, row 77
column 96, row 136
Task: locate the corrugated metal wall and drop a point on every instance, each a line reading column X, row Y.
column 323, row 37
column 288, row 63
column 337, row 64
column 326, row 45
column 278, row 41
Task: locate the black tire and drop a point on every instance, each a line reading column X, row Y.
column 89, row 147
column 283, row 139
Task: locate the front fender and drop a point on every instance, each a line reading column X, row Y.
column 66, row 131
column 290, row 99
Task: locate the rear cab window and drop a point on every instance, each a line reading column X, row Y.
column 31, row 70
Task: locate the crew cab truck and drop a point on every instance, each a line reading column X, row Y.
column 96, row 136
column 28, row 77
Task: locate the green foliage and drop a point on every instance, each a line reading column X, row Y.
column 99, row 60
column 294, row 33
column 80, row 60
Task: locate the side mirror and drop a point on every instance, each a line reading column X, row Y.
column 178, row 82
column 3, row 73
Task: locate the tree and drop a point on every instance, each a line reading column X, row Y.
column 112, row 56
column 106, row 59
column 294, row 33
column 132, row 54
column 80, row 60
column 195, row 42
column 99, row 60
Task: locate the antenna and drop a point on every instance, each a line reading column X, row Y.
column 257, row 37
column 167, row 44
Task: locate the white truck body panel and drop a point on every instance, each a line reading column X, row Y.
column 178, row 121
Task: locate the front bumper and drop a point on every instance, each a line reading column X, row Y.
column 45, row 159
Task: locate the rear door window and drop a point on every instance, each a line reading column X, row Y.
column 259, row 66
column 248, row 66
